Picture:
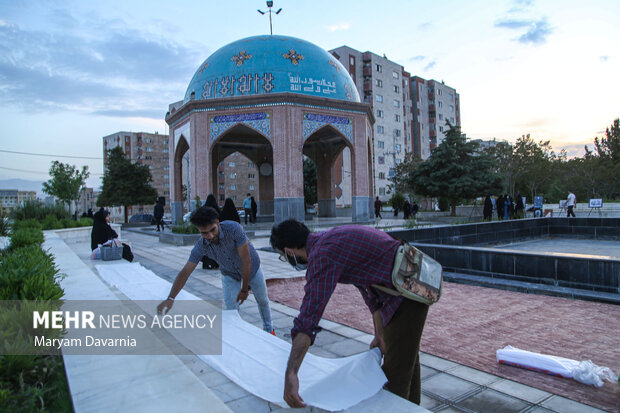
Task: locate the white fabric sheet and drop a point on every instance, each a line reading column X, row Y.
column 256, row 360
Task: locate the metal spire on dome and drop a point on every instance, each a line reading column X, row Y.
column 269, row 6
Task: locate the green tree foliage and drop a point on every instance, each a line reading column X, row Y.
column 400, row 180
column 609, row 146
column 125, row 183
column 535, row 161
column 310, row 191
column 397, row 200
column 66, row 182
column 456, row 170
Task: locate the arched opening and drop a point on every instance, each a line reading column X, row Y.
column 181, row 173
column 324, row 147
column 241, row 163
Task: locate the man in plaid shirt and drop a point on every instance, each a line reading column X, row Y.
column 361, row 256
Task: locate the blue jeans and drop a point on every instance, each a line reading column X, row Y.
column 232, row 287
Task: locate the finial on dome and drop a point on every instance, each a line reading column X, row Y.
column 269, row 6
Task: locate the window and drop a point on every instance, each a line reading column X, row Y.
column 451, row 96
column 406, row 82
column 222, row 197
column 150, row 167
column 396, row 89
column 397, row 133
column 381, row 160
column 441, row 129
column 166, row 176
column 234, row 197
column 378, row 68
column 148, row 140
column 451, row 108
column 222, row 186
column 232, row 187
column 397, row 148
column 397, row 118
column 232, row 164
column 440, row 116
column 380, row 144
column 379, row 98
column 250, row 164
column 166, row 168
column 251, row 187
column 440, row 104
column 379, row 113
column 396, row 103
column 438, row 92
column 232, row 175
column 392, row 172
column 380, row 129
column 379, row 82
column 165, row 151
column 381, row 175
column 452, row 121
column 395, row 75
column 382, row 191
column 250, row 176
column 164, row 141
column 148, row 157
column 351, row 60
column 149, row 149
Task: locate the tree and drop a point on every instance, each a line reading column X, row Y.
column 535, row 160
column 504, row 161
column 66, row 182
column 400, row 180
column 310, row 191
column 456, row 170
column 125, row 183
column 609, row 146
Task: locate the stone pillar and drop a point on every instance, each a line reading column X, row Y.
column 177, row 212
column 325, row 185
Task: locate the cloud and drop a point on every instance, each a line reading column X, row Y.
column 604, row 58
column 94, row 71
column 124, row 113
column 520, row 6
column 338, row 27
column 416, row 58
column 537, row 30
column 430, row 65
column 425, row 26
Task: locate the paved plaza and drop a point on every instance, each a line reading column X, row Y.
column 447, row 385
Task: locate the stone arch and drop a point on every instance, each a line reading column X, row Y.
column 256, row 147
column 182, row 147
column 323, row 146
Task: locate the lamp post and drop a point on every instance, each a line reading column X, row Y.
column 269, row 6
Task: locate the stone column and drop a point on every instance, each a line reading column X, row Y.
column 325, row 185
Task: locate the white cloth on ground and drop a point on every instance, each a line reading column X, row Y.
column 256, row 360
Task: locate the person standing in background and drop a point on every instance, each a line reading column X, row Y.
column 571, row 201
column 247, row 208
column 254, row 207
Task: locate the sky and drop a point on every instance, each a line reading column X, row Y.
column 72, row 72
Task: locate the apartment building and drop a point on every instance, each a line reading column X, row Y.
column 386, row 86
column 87, row 200
column 12, row 198
column 237, row 176
column 149, row 149
column 433, row 104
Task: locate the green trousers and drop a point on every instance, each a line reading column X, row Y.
column 401, row 362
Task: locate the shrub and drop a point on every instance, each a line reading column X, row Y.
column 185, row 229
column 397, row 200
column 4, row 226
column 29, row 273
column 51, row 222
column 69, row 223
column 85, row 222
column 443, row 204
column 25, row 237
column 28, row 223
column 38, row 210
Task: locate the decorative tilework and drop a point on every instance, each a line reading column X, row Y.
column 241, row 57
column 313, row 122
column 260, row 122
column 293, row 56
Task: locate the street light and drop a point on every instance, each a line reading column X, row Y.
column 270, row 5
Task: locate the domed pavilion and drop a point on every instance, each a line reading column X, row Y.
column 273, row 99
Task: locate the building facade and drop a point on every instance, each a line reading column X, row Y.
column 237, row 176
column 385, row 85
column 433, row 103
column 87, row 200
column 12, row 198
column 149, row 149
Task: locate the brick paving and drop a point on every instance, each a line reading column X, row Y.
column 470, row 323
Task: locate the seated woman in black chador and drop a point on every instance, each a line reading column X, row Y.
column 103, row 232
column 229, row 211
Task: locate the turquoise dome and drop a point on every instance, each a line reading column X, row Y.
column 271, row 64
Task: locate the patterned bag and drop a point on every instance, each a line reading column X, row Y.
column 416, row 276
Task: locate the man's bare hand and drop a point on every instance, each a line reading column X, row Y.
column 291, row 391
column 378, row 342
column 166, row 304
column 242, row 296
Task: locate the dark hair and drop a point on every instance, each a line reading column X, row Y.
column 204, row 216
column 289, row 234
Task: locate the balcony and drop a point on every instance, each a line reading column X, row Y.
column 367, row 70
column 431, row 107
column 367, row 85
column 366, row 57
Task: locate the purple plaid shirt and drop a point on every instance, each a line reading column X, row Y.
column 350, row 254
